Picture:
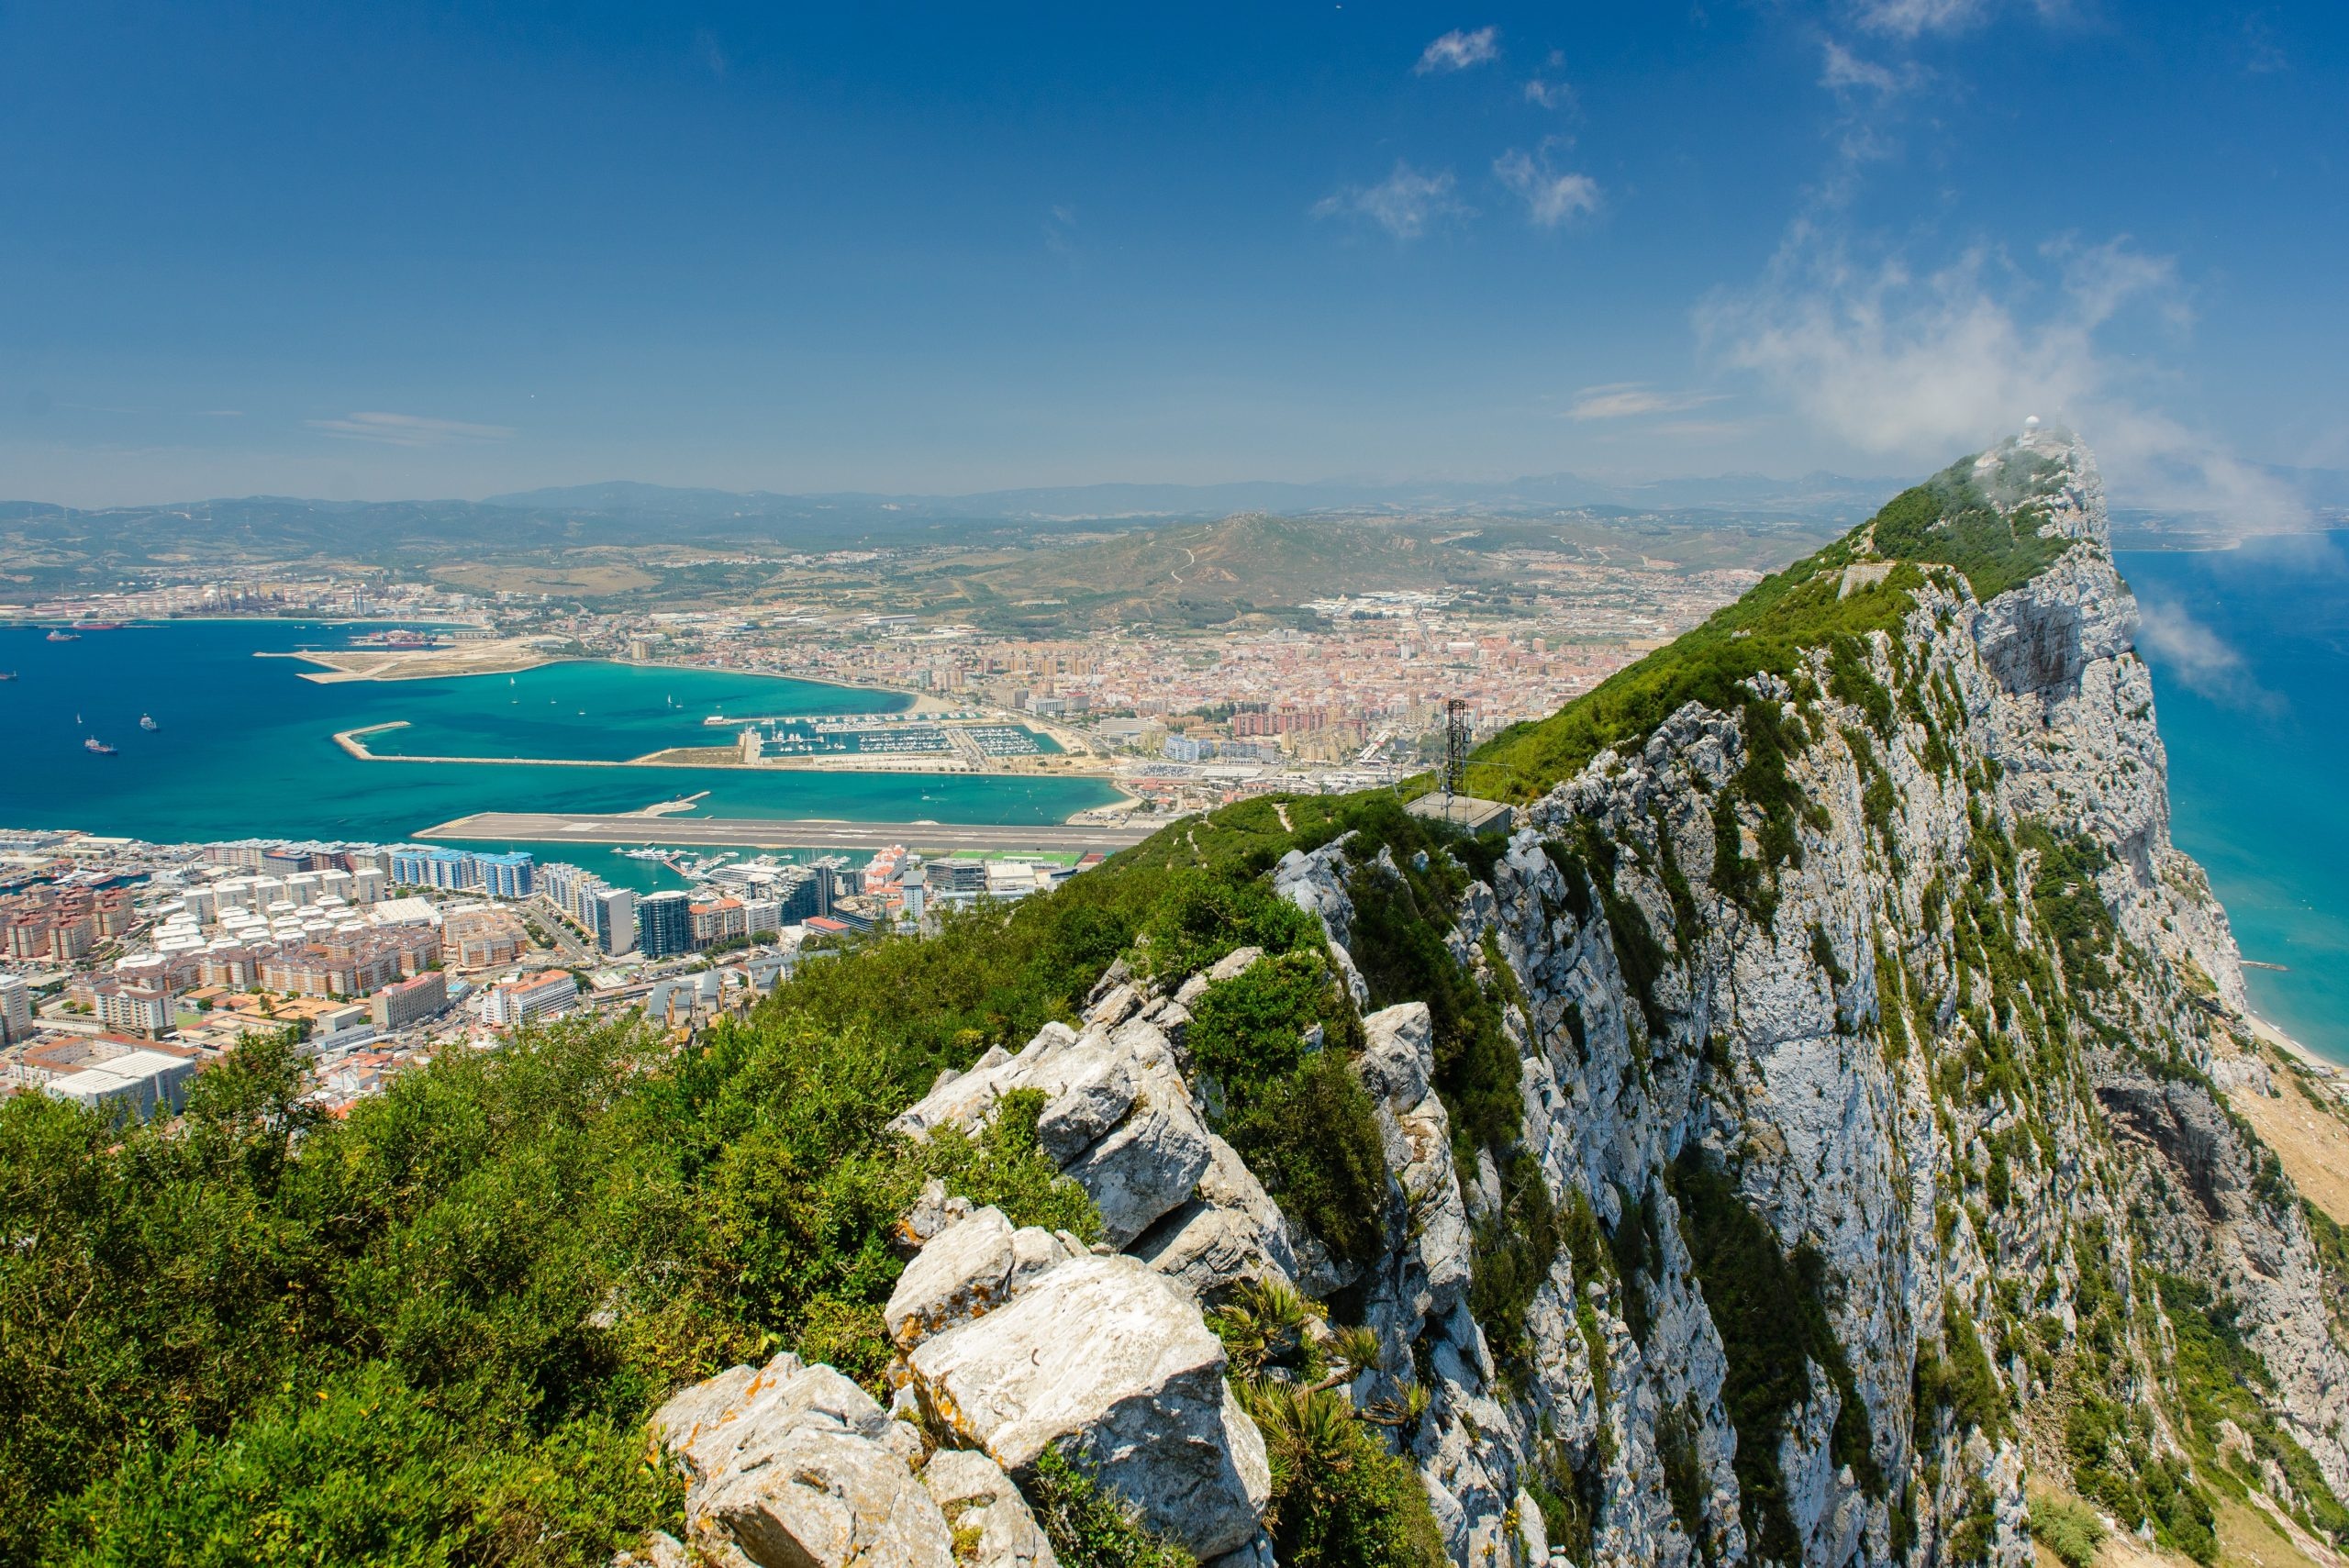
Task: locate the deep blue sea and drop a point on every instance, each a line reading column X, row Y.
column 2250, row 653
column 245, row 747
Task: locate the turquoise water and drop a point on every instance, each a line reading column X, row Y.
column 596, row 711
column 245, row 746
column 2250, row 653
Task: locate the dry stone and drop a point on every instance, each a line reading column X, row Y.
column 1108, row 1358
column 991, row 1522
column 793, row 1466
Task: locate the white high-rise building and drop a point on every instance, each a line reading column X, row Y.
column 16, row 1009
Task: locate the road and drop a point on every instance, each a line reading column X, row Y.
column 786, row 833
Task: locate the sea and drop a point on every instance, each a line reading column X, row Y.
column 243, row 746
column 2250, row 653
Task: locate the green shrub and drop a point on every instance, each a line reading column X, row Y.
column 1340, row 1499
column 1312, row 1138
column 2069, row 1530
column 1684, row 1471
column 1960, row 1378
column 1250, row 1031
column 1948, row 519
column 1089, row 1525
column 363, row 1470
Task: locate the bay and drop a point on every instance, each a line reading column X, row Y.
column 2250, row 654
column 244, row 746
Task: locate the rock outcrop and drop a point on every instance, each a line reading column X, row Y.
column 793, row 1466
column 1109, row 1361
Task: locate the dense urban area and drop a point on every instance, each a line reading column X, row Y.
column 127, row 966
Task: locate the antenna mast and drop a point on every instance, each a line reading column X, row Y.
column 1455, row 747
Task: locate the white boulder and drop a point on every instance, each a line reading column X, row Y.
column 1112, row 1362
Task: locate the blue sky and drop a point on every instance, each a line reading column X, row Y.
column 449, row 250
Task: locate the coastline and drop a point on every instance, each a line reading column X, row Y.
column 2270, row 1034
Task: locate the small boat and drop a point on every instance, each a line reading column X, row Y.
column 65, row 637
column 146, row 721
column 100, row 747
column 8, row 674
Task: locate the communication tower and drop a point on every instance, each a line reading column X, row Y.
column 1455, row 747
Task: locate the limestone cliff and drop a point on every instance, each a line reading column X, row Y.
column 1863, row 1156
column 1948, row 1038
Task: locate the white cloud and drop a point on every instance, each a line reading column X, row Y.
column 1457, row 50
column 1406, row 203
column 1846, row 71
column 1631, row 399
column 1550, row 94
column 1924, row 365
column 2202, row 661
column 409, row 430
column 1915, row 19
column 1550, row 197
column 1911, row 18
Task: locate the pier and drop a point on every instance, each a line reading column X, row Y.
column 790, row 833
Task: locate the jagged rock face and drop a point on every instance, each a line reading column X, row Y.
column 1118, row 1114
column 1806, row 1049
column 1901, row 1070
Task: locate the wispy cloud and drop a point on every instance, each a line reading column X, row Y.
column 1550, row 197
column 1060, row 229
column 1633, row 399
column 1915, row 363
column 1549, row 95
column 2203, row 662
column 409, row 430
column 1457, row 50
column 2263, row 55
column 1912, row 18
column 1846, row 71
column 1406, row 203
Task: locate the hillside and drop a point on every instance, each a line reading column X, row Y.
column 1806, row 1139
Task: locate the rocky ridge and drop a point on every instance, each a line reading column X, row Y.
column 1866, row 1155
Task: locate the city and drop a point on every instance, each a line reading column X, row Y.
column 130, row 967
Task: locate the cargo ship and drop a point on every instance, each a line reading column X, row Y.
column 146, row 721
column 97, row 745
column 65, row 637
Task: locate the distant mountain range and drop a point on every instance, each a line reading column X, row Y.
column 1093, row 503
column 51, row 545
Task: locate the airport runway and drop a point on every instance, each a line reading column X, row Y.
column 786, row 833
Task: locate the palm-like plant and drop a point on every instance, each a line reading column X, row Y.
column 1263, row 1325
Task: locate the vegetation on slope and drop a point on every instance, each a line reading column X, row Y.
column 431, row 1332
column 1772, row 1319
column 1948, row 520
